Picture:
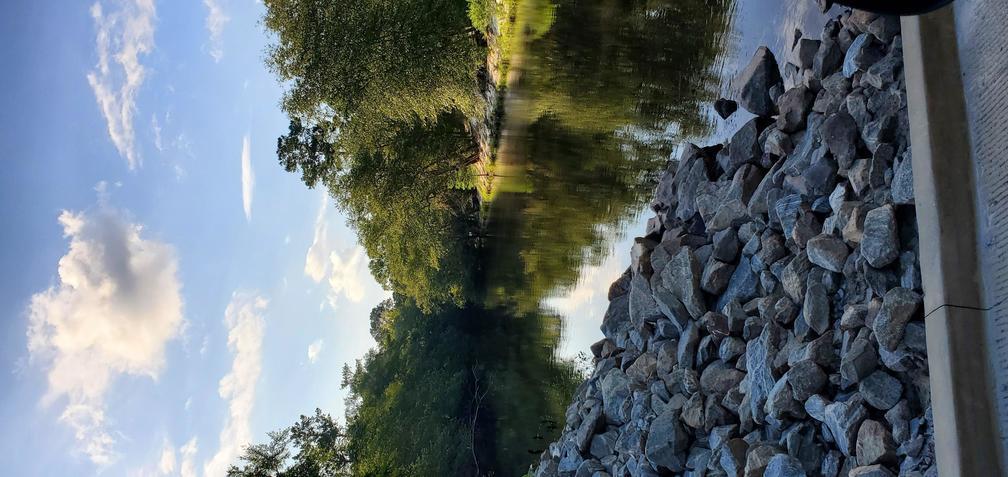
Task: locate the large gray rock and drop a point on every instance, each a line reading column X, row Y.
column 871, row 471
column 880, row 390
column 805, row 51
column 827, row 252
column 754, row 82
column 615, row 395
column 718, row 378
column 733, row 457
column 760, row 355
column 806, row 379
column 902, row 182
column 844, row 420
column 828, row 58
column 743, row 148
column 783, row 465
column 794, row 105
column 716, row 276
column 682, row 278
column 858, row 362
column 592, row 422
column 863, row 52
column 874, row 444
column 642, row 304
column 840, row 133
column 898, row 306
column 879, row 244
column 817, row 308
column 742, row 286
column 666, row 441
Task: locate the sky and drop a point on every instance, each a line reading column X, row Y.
column 172, row 293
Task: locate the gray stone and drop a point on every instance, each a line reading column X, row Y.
column 716, row 276
column 839, row 133
column 743, row 147
column 718, row 378
column 844, row 420
column 666, row 441
column 858, row 362
column 794, row 106
column 717, row 324
column 817, row 308
column 725, row 107
column 874, row 444
column 885, row 72
column 783, row 465
column 754, row 82
column 902, row 182
column 880, row 390
column 827, row 252
column 899, row 419
column 731, row 213
column 787, row 212
column 871, row 471
column 615, row 395
column 733, row 457
column 828, row 58
column 880, row 245
column 603, row 444
column 778, row 142
column 805, row 51
column 693, row 411
column 758, row 458
column 898, row 306
column 617, row 317
column 730, row 348
column 682, row 278
column 781, row 403
column 863, row 52
column 589, row 468
column 815, row 406
column 759, row 356
column 793, row 277
column 687, row 345
column 742, row 286
column 643, row 368
column 590, row 424
column 726, row 245
column 642, row 304
column 806, row 378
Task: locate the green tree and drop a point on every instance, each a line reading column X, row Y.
column 315, row 446
column 364, row 64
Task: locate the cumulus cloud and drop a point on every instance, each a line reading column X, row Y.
column 247, row 176
column 116, row 305
column 346, row 275
column 215, row 22
column 188, row 455
column 123, row 36
column 345, row 271
column 314, row 349
column 166, row 465
column 245, row 323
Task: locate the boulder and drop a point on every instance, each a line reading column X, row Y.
column 753, row 84
column 879, row 244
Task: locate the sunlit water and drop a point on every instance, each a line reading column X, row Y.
column 600, row 94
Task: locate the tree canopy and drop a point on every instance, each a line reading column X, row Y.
column 314, row 446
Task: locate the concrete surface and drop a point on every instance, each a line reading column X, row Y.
column 967, row 440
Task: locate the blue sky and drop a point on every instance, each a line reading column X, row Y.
column 171, row 292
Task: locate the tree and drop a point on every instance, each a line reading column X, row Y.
column 363, row 64
column 315, row 446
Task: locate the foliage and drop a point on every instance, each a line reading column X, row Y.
column 431, row 399
column 480, row 14
column 314, row 446
column 363, row 64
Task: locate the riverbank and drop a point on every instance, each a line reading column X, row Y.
column 770, row 322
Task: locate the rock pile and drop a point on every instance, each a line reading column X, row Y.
column 770, row 323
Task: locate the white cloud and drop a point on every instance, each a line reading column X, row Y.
column 246, row 326
column 166, row 465
column 215, row 22
column 316, row 261
column 123, row 36
column 345, row 271
column 115, row 307
column 188, row 403
column 156, row 127
column 346, row 276
column 188, row 455
column 314, row 349
column 247, row 176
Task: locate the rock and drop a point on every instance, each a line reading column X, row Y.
column 902, row 182
column 590, row 468
column 844, row 420
column 666, row 441
column 898, row 306
column 693, row 411
column 806, row 379
column 718, row 378
column 793, row 277
column 805, row 51
column 759, row 356
column 643, row 308
column 758, row 458
column 778, row 143
column 817, row 308
column 885, row 72
column 731, row 348
column 716, row 276
column 879, row 245
column 783, row 465
column 592, row 422
column 840, row 133
column 682, row 278
column 643, row 368
column 794, row 106
column 815, row 406
column 828, row 58
column 858, row 362
column 731, row 214
column 742, row 286
column 871, row 471
column 726, row 246
column 716, row 324
column 725, row 107
column 874, row 444
column 880, row 390
column 602, row 444
column 733, row 457
column 617, row 317
column 754, row 82
column 781, row 403
column 615, row 395
column 863, row 53
column 743, row 148
column 827, row 252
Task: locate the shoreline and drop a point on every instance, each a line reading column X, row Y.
column 770, row 322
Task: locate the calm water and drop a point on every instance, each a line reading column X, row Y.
column 599, row 95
